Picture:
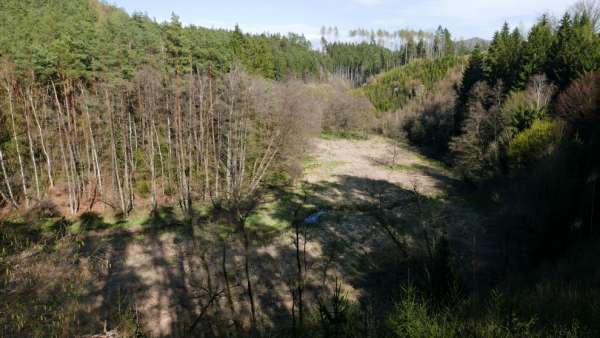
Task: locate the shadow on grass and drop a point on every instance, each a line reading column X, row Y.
column 161, row 218
column 91, row 221
column 178, row 274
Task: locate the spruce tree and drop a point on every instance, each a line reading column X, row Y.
column 473, row 74
column 575, row 51
column 536, row 51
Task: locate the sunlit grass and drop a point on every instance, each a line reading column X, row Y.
column 345, row 135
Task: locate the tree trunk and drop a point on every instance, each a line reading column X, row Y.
column 7, row 182
column 33, row 160
column 14, row 129
column 43, row 143
column 248, row 278
column 228, row 294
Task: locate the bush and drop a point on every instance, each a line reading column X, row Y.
column 143, row 188
column 42, row 210
column 519, row 113
column 345, row 113
column 535, row 143
column 411, row 318
column 522, row 108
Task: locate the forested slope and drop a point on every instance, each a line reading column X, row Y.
column 91, row 40
column 391, row 90
column 521, row 127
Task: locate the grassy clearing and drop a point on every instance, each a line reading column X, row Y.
column 313, row 163
column 344, row 135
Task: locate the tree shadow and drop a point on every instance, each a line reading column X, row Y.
column 354, row 236
column 91, row 221
column 162, row 217
column 446, row 181
column 172, row 268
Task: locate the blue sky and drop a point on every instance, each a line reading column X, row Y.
column 464, row 18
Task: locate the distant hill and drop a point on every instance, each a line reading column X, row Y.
column 468, row 44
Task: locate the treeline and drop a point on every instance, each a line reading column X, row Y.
column 92, row 41
column 381, row 51
column 410, row 42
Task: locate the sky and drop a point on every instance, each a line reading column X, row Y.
column 464, row 18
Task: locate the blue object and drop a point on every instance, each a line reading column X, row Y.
column 314, row 218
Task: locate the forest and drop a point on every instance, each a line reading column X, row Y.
column 159, row 179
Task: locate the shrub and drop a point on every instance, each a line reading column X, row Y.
column 42, row 210
column 535, row 143
column 519, row 113
column 522, row 108
column 345, row 113
column 411, row 318
column 143, row 188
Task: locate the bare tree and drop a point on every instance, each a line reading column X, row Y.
column 590, row 9
column 42, row 139
column 8, row 86
column 542, row 91
column 7, row 181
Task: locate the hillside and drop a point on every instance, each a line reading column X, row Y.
column 393, row 89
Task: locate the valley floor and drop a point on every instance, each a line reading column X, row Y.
column 171, row 274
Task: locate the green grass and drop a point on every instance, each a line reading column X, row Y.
column 401, row 167
column 432, row 162
column 268, row 218
column 344, row 135
column 312, row 162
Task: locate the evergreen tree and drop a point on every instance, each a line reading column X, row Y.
column 448, row 43
column 178, row 49
column 475, row 72
column 575, row 51
column 504, row 56
column 421, row 50
column 536, row 51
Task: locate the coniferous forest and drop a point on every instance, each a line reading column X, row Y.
column 159, row 179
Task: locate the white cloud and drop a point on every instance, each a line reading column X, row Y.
column 467, row 18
